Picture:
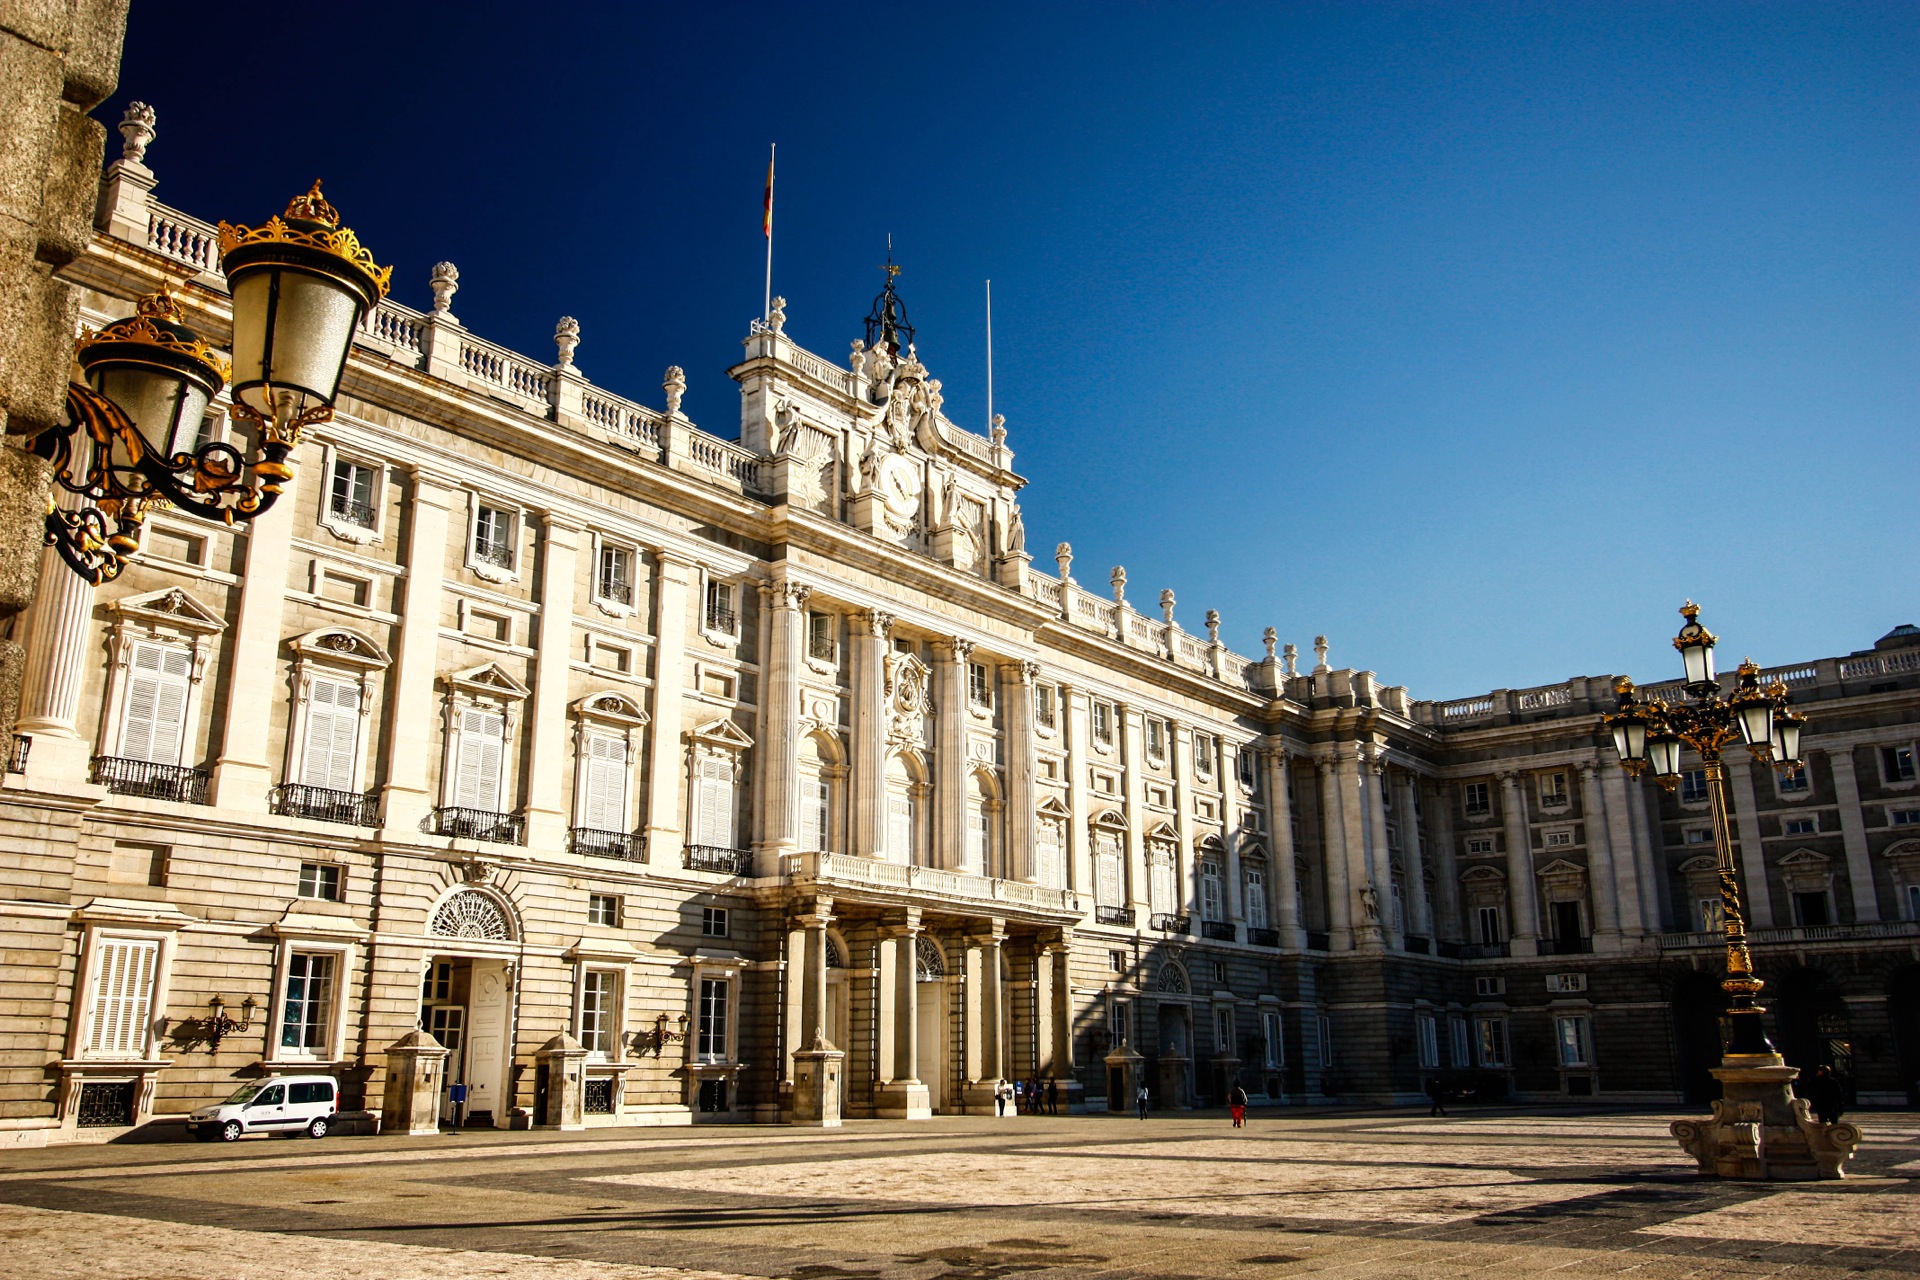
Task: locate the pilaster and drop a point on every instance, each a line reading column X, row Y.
column 1603, row 891
column 779, row 815
column 1624, row 850
column 1016, row 704
column 1853, row 835
column 1187, row 873
column 1446, row 865
column 950, row 846
column 1412, row 848
column 665, row 765
column 1333, row 850
column 547, row 800
column 1286, row 880
column 1369, row 928
column 1373, row 794
column 867, row 781
column 1131, row 730
column 407, row 797
column 1523, row 897
column 1753, row 855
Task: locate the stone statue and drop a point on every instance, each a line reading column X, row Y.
column 1166, row 605
column 566, row 336
column 1063, row 556
column 1370, row 901
column 1118, row 579
column 777, row 316
column 1320, row 666
column 445, row 282
column 675, row 386
column 787, row 432
column 1016, row 531
column 859, row 361
column 136, row 131
column 999, row 430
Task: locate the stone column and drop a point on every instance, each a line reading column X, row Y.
column 1341, row 893
column 1523, row 898
column 548, row 804
column 1287, row 916
column 1016, row 706
column 1419, row 910
column 1369, row 927
column 1655, row 892
column 1186, row 874
column 780, row 748
column 243, row 773
column 1073, row 721
column 1754, row 889
column 59, row 625
column 867, row 782
column 1061, row 1008
column 411, row 717
column 1623, row 849
column 562, row 1059
column 983, row 1012
column 1232, row 817
column 666, row 766
column 950, row 758
column 1446, row 864
column 1373, row 789
column 812, row 979
column 1600, row 877
column 1132, row 730
column 902, row 1094
column 1853, row 835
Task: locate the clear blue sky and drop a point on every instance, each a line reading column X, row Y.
column 1476, row 336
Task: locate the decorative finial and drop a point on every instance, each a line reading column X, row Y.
column 1213, row 626
column 676, row 387
column 1166, row 605
column 1290, row 657
column 313, row 207
column 1320, row 666
column 1690, row 611
column 999, row 428
column 1272, row 638
column 1063, row 556
column 1118, row 580
column 445, row 282
column 777, row 315
column 136, row 131
column 566, row 336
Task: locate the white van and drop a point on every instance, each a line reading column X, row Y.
column 278, row 1104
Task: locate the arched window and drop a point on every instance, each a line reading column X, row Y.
column 820, row 776
column 906, row 805
column 983, row 813
column 1163, row 884
column 929, row 965
column 471, row 914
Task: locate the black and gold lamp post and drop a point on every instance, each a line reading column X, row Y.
column 300, row 284
column 1758, row 1130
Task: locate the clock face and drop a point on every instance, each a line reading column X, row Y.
column 900, row 486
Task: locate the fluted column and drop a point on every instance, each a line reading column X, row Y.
column 1286, row 880
column 1413, row 847
column 780, row 750
column 1187, row 871
column 1341, row 892
column 547, row 802
column 411, row 722
column 1061, row 1067
column 666, row 768
column 983, row 1012
column 1600, row 869
column 1073, row 724
column 58, row 627
column 243, row 772
column 1368, row 899
column 1853, row 836
column 1131, row 729
column 1232, row 816
column 1016, row 695
column 1373, row 786
column 867, row 809
column 1651, row 857
column 1622, row 849
column 902, row 1095
column 1523, row 899
column 1446, row 864
column 951, row 847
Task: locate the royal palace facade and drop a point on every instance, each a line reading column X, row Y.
column 547, row 725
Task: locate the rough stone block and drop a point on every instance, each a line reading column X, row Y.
column 37, row 322
column 24, row 479
column 72, row 187
column 96, row 33
column 30, row 81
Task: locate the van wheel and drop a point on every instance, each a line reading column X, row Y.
column 231, row 1131
column 317, row 1127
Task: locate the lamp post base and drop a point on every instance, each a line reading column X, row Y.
column 1760, row 1131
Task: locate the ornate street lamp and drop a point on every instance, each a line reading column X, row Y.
column 1758, row 1129
column 300, row 285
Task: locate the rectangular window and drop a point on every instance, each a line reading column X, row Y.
column 604, row 794
column 979, row 693
column 821, row 638
column 350, row 496
column 1553, row 790
column 1913, row 902
column 1326, row 1041
column 1156, row 737
column 332, row 734
column 711, row 1044
column 122, row 998
column 1275, row 1044
column 1693, row 786
column 1491, row 1036
column 1905, row 817
column 1203, row 755
column 1475, row 800
column 1711, row 912
column 1576, row 1041
column 480, row 750
column 1212, row 904
column 1480, row 844
column 1050, row 845
column 1461, row 1046
column 305, row 1024
column 1489, row 986
column 1897, row 763
column 714, row 804
column 599, row 1011
column 979, row 840
column 320, row 880
column 1103, row 722
column 493, row 536
column 1046, row 705
column 1117, row 961
column 1492, row 929
column 1799, row 826
column 1256, row 897
column 1697, row 835
column 1109, row 886
column 154, row 728
column 1810, row 910
column 603, row 908
column 720, row 614
column 1120, row 1024
column 1428, row 1028
column 614, row 580
column 1794, row 783
column 714, row 922
column 1223, row 1031
column 1246, row 760
column 1559, row 839
column 815, row 797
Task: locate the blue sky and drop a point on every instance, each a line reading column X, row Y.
column 1476, row 336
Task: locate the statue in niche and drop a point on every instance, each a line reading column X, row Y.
column 788, row 429
column 1370, row 901
column 1016, row 532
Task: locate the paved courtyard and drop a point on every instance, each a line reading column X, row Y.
column 1372, row 1195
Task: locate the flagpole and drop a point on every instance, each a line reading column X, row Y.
column 766, row 303
column 989, row 357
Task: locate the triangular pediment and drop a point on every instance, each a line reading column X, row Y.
column 170, row 607
column 1561, row 867
column 489, row 679
column 1052, row 808
column 1805, row 858
column 1163, row 831
column 723, row 733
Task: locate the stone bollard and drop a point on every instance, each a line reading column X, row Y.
column 816, row 1084
column 559, row 1092
column 411, row 1103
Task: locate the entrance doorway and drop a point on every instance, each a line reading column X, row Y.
column 930, row 1019
column 464, row 1005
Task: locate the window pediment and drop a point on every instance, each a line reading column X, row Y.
column 170, row 609
column 489, row 680
column 341, row 645
column 1702, row 864
column 1806, row 860
column 1482, row 875
column 611, row 707
column 1561, row 869
column 1052, row 808
column 1110, row 819
column 721, row 734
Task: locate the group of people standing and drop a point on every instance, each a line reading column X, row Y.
column 1029, row 1096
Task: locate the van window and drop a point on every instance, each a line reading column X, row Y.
column 243, row 1095
column 311, row 1091
column 269, row 1096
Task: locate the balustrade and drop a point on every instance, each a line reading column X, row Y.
column 349, row 808
column 480, row 824
column 143, row 778
column 627, row 846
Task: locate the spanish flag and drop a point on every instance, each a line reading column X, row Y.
column 766, row 220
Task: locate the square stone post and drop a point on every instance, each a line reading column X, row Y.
column 984, row 1016
column 411, row 721
column 1522, row 894
column 666, row 767
column 867, row 807
column 411, row 1103
column 816, row 1085
column 564, row 1102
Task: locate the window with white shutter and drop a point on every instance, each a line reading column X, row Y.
column 1108, row 884
column 977, row 826
column 815, row 797
column 899, row 828
column 333, row 734
column 481, row 749
column 604, row 758
column 1051, row 845
column 1160, row 892
column 713, row 804
column 1212, row 906
column 123, row 998
column 154, row 726
column 1256, row 897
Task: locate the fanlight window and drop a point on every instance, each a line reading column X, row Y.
column 928, row 964
column 470, row 914
column 1173, row 980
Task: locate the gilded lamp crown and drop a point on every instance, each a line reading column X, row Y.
column 156, row 322
column 310, row 222
column 312, row 207
column 1693, row 633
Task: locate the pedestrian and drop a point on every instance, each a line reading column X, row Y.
column 1237, row 1103
column 1053, row 1097
column 1140, row 1099
column 1000, row 1099
column 1033, row 1095
column 1437, row 1090
column 1824, row 1096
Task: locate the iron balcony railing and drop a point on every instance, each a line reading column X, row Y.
column 480, row 824
column 1482, row 950
column 1419, row 945
column 1113, row 915
column 325, row 805
column 713, row 857
column 1319, row 941
column 1218, row 930
column 1166, row 922
column 151, row 781
column 1447, row 950
column 1797, row 934
column 1566, row 946
column 494, row 553
column 354, row 513
column 720, row 619
column 616, row 590
column 1263, row 937
column 822, row 647
column 627, row 846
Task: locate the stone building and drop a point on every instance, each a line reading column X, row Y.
column 579, row 738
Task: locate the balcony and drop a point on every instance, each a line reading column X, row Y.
column 480, row 824
column 1168, row 923
column 1263, row 937
column 713, row 857
column 626, row 846
column 347, row 511
column 870, row 875
column 1217, row 930
column 822, row 647
column 1482, row 950
column 616, row 591
column 151, row 781
column 1418, row 945
column 1566, row 946
column 1113, row 915
column 498, row 554
column 1798, row 935
column 349, row 808
column 721, row 619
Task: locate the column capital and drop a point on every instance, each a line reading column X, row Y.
column 426, row 477
column 1587, row 768
column 1026, row 671
column 678, row 559
column 954, row 648
column 907, row 926
column 875, row 622
column 788, row 595
column 1509, row 777
column 993, row 930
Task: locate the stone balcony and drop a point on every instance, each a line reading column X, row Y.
column 843, row 875
column 1800, row 935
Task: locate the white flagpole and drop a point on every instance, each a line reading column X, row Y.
column 989, row 357
column 766, row 304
